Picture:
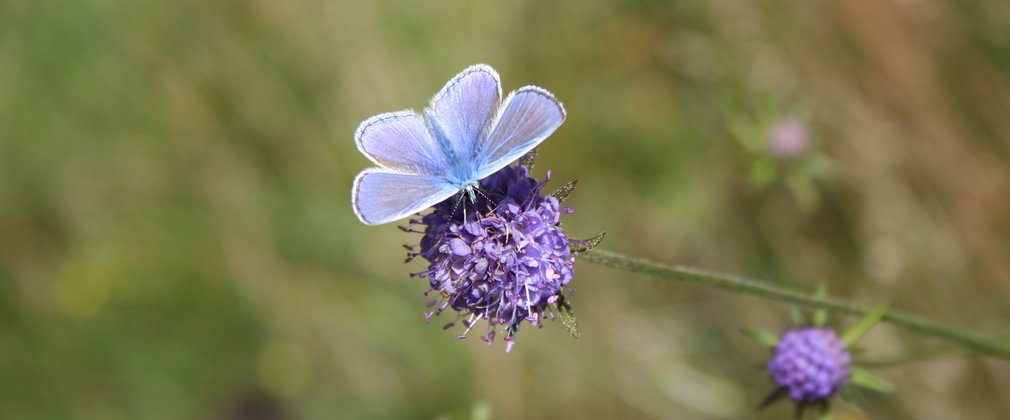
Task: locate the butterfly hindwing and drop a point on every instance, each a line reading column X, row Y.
column 380, row 196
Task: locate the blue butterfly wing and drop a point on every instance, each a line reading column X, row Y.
column 461, row 115
column 527, row 117
column 381, row 196
column 463, row 137
column 401, row 142
column 412, row 168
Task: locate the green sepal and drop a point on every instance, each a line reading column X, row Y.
column 797, row 316
column 821, row 410
column 765, row 338
column 578, row 246
column 562, row 193
column 567, row 315
column 824, row 410
column 820, row 316
column 865, row 379
column 778, row 394
column 859, row 330
column 529, row 159
column 801, row 409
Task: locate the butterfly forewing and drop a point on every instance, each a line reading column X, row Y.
column 528, row 116
column 401, row 142
column 463, row 111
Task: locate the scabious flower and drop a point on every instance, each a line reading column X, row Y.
column 811, row 363
column 788, row 139
column 501, row 257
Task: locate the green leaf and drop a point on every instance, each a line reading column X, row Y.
column 819, row 166
column 578, row 246
column 749, row 133
column 529, row 159
column 763, row 173
column 567, row 315
column 820, row 316
column 805, row 191
column 865, row 379
column 763, row 337
column 864, row 325
column 850, row 395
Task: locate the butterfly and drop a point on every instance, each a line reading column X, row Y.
column 466, row 134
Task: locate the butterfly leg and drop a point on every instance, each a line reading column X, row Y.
column 456, row 207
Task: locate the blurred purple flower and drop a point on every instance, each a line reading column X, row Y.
column 788, row 139
column 502, row 258
column 810, row 363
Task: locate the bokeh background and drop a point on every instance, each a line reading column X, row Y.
column 177, row 242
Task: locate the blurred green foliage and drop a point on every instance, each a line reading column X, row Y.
column 176, row 238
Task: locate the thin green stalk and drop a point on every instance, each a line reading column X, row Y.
column 785, row 294
column 921, row 356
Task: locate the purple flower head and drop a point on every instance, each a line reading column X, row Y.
column 788, row 139
column 501, row 258
column 810, row 363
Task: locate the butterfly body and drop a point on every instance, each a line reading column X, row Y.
column 466, row 134
column 462, row 172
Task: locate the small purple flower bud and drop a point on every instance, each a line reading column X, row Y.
column 810, row 363
column 788, row 139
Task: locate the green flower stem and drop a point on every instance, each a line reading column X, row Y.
column 785, row 294
column 921, row 356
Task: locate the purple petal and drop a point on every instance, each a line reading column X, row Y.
column 459, row 247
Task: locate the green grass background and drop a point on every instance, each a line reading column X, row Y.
column 177, row 242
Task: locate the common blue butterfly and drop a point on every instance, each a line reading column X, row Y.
column 466, row 133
